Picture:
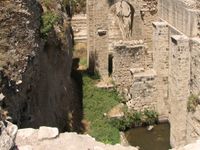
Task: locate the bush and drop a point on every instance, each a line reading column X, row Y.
column 151, row 117
column 48, row 21
column 192, row 103
column 122, row 123
column 136, row 119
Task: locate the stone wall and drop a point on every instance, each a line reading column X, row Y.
column 161, row 66
column 181, row 15
column 193, row 124
column 176, row 64
column 79, row 26
column 104, row 27
column 179, row 91
column 162, row 72
column 120, row 46
column 195, row 68
column 131, row 77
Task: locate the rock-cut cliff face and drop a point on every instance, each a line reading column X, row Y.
column 36, row 87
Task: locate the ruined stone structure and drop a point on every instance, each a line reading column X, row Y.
column 79, row 26
column 120, row 45
column 151, row 50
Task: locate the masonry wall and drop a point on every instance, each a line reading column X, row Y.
column 179, row 91
column 176, row 54
column 195, row 65
column 181, row 14
column 161, row 66
column 131, row 78
column 103, row 29
column 193, row 118
column 79, row 26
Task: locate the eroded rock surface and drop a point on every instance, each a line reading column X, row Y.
column 7, row 135
column 35, row 78
column 69, row 141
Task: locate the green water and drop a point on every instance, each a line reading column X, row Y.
column 156, row 139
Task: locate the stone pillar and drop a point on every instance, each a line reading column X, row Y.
column 98, row 36
column 161, row 65
column 91, row 35
column 193, row 118
column 101, row 43
column 195, row 66
column 179, row 78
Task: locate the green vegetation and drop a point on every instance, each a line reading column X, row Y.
column 135, row 119
column 96, row 102
column 150, row 117
column 193, row 101
column 83, row 62
column 48, row 21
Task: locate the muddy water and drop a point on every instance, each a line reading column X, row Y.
column 157, row 139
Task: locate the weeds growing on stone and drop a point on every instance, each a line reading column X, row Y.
column 135, row 119
column 150, row 117
column 192, row 103
column 48, row 21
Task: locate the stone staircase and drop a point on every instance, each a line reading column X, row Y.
column 79, row 25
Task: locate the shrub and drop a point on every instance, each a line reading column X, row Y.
column 137, row 118
column 192, row 103
column 151, row 117
column 48, row 21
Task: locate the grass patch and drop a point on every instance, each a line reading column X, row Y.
column 83, row 62
column 96, row 102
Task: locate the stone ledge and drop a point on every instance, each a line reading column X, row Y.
column 71, row 141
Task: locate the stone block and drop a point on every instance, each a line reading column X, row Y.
column 46, row 133
column 25, row 133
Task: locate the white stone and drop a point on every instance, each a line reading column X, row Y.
column 149, row 128
column 47, row 133
column 7, row 137
column 19, row 82
column 1, row 96
column 26, row 147
column 25, row 133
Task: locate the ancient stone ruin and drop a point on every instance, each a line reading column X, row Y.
column 150, row 49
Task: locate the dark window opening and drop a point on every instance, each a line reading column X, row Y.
column 110, row 64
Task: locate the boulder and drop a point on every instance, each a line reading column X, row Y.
column 8, row 134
